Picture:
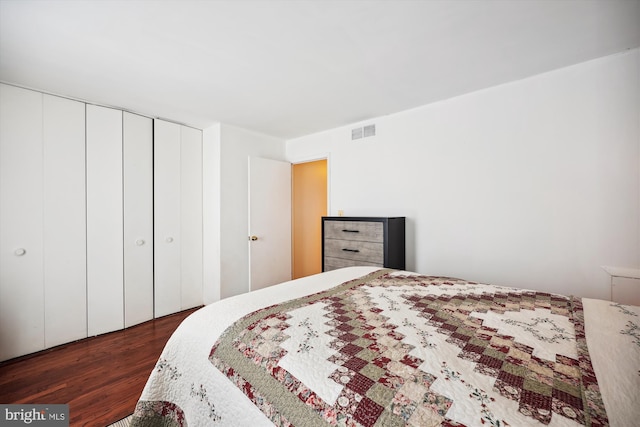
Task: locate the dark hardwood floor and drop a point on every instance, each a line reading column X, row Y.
column 101, row 378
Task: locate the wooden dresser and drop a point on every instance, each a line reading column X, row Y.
column 375, row 241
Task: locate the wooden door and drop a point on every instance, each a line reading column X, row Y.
column 309, row 195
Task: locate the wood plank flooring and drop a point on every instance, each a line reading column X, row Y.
column 101, row 378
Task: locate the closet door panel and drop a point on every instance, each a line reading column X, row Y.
column 21, row 272
column 167, row 295
column 138, row 219
column 64, row 238
column 191, row 217
column 105, row 300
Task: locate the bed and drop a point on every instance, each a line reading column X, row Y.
column 363, row 346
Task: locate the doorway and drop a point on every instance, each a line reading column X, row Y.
column 309, row 204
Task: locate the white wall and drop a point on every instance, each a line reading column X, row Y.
column 236, row 145
column 531, row 184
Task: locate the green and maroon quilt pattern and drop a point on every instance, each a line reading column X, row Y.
column 396, row 350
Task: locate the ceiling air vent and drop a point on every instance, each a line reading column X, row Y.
column 363, row 132
column 369, row 130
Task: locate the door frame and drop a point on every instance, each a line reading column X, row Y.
column 324, row 156
column 308, row 159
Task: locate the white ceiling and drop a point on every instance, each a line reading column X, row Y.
column 291, row 68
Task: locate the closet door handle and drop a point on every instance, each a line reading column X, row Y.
column 140, row 242
column 20, row 251
column 168, row 239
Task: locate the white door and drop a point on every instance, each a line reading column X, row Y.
column 166, row 187
column 190, row 217
column 138, row 218
column 105, row 270
column 178, row 217
column 269, row 222
column 65, row 247
column 42, row 221
column 21, row 222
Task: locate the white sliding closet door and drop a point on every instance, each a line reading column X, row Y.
column 138, row 219
column 65, row 291
column 21, row 222
column 104, row 220
column 191, row 217
column 166, row 157
column 178, row 217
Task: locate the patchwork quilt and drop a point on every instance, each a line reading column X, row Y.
column 392, row 349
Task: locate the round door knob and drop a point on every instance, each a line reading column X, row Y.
column 169, row 239
column 254, row 238
column 20, row 252
column 139, row 242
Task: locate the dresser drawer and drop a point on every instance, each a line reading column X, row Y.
column 335, row 263
column 354, row 250
column 355, row 230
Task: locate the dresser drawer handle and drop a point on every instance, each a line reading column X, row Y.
column 351, row 231
column 351, row 250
